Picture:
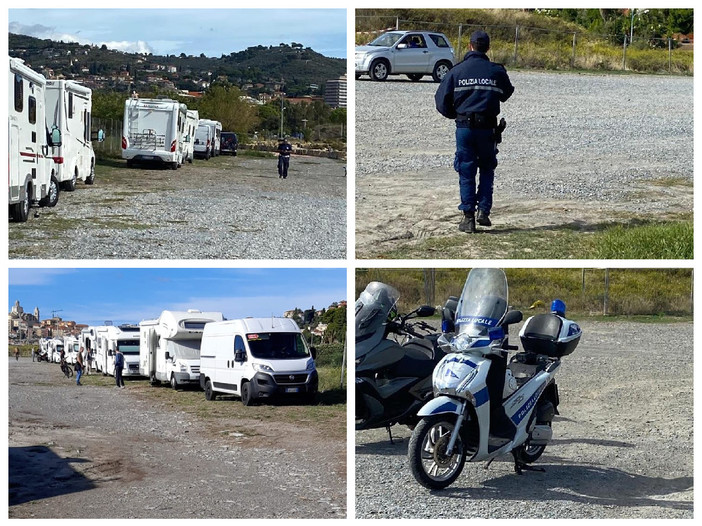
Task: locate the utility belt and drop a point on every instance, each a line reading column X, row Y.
column 478, row 121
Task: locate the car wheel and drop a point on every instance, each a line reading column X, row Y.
column 209, row 392
column 20, row 211
column 53, row 196
column 174, row 382
column 246, row 397
column 440, row 70
column 70, row 185
column 91, row 177
column 414, row 77
column 379, row 70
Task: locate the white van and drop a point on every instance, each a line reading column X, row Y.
column 255, row 358
column 203, row 142
column 153, row 131
column 29, row 178
column 169, row 346
column 72, row 347
column 68, row 109
column 215, row 134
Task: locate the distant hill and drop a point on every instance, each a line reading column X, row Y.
column 256, row 69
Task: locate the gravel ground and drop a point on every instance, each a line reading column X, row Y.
column 99, row 452
column 622, row 447
column 579, row 148
column 224, row 208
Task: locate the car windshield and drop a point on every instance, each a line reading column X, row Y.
column 277, row 345
column 386, row 40
column 128, row 346
column 184, row 349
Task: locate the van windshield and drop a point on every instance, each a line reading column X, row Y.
column 184, row 349
column 277, row 345
column 128, row 346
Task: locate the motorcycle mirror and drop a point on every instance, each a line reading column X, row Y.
column 513, row 316
column 425, row 311
column 496, row 333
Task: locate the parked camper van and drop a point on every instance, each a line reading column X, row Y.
column 191, row 122
column 29, row 179
column 54, row 347
column 169, row 349
column 68, row 109
column 72, row 347
column 203, row 142
column 104, row 340
column 256, row 358
column 153, row 131
column 215, row 133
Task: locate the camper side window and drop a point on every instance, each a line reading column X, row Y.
column 70, row 105
column 19, row 93
column 86, row 126
column 32, row 113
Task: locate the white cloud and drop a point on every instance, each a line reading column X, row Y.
column 35, row 276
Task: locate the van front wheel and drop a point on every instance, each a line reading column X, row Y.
column 209, row 392
column 174, row 382
column 246, row 397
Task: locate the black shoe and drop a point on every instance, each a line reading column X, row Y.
column 483, row 219
column 468, row 223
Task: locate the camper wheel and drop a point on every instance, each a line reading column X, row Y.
column 209, row 392
column 174, row 166
column 174, row 382
column 70, row 185
column 246, row 397
column 20, row 211
column 91, row 177
column 153, row 380
column 53, row 194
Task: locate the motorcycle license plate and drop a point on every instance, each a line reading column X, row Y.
column 292, row 389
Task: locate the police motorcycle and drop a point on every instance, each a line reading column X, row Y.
column 485, row 406
column 394, row 360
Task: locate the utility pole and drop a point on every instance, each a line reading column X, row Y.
column 282, row 109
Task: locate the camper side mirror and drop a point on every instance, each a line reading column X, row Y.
column 101, row 135
column 55, row 137
column 240, row 356
column 168, row 355
column 313, row 352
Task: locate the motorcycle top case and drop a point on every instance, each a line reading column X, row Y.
column 550, row 335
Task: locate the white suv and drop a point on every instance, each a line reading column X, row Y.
column 411, row 53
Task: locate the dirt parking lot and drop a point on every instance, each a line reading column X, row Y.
column 622, row 447
column 223, row 208
column 143, row 452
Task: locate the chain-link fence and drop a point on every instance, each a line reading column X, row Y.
column 534, row 47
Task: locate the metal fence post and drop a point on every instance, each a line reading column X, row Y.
column 516, row 42
column 624, row 60
column 572, row 60
column 606, row 292
column 460, row 36
column 670, row 55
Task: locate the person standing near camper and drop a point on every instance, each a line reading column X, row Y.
column 284, row 151
column 17, row 353
column 119, row 365
column 86, row 360
column 79, row 366
column 471, row 94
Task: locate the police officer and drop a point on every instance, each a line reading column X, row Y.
column 471, row 94
column 284, row 150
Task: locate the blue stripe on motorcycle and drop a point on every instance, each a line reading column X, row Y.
column 481, row 397
column 526, row 408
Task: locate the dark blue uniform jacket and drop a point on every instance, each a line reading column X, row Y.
column 476, row 85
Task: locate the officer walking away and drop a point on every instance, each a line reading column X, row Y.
column 284, row 151
column 119, row 365
column 471, row 93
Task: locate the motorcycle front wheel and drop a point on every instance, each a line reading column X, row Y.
column 430, row 465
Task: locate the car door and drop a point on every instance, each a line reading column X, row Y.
column 411, row 54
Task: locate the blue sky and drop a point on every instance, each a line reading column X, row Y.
column 129, row 295
column 213, row 32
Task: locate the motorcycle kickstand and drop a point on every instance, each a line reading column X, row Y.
column 520, row 467
column 390, row 435
column 487, row 466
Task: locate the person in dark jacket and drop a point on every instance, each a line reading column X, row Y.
column 471, row 94
column 119, row 365
column 284, row 151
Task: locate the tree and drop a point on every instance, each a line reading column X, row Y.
column 225, row 103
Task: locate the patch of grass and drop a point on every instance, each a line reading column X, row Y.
column 255, row 153
column 674, row 240
column 673, row 181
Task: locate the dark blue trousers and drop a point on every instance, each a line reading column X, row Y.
column 475, row 152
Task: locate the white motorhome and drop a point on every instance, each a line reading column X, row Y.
column 106, row 339
column 153, row 131
column 72, row 346
column 255, row 358
column 68, row 109
column 191, row 123
column 169, row 349
column 203, row 142
column 29, row 179
column 54, row 347
column 215, row 133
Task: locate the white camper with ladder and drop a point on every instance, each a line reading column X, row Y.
column 29, row 161
column 153, row 131
column 68, row 109
column 169, row 349
column 106, row 339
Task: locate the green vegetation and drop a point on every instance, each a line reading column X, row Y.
column 545, row 38
column 632, row 292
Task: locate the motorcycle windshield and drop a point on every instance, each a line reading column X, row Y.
column 373, row 308
column 483, row 302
